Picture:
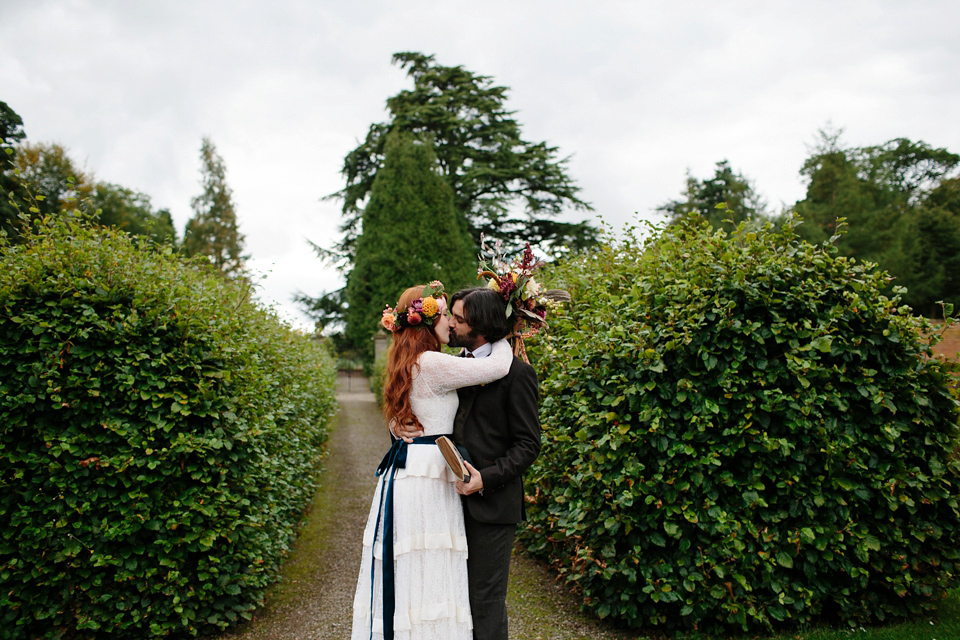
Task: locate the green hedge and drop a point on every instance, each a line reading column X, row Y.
column 742, row 432
column 377, row 377
column 159, row 439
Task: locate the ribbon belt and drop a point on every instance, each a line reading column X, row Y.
column 395, row 458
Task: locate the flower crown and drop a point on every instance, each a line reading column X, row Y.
column 422, row 312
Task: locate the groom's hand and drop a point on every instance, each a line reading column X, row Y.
column 474, row 484
column 406, row 431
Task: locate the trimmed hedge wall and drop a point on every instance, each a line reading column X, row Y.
column 742, row 432
column 159, row 438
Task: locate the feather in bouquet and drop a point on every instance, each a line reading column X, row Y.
column 527, row 301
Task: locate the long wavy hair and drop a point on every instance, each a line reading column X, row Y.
column 406, row 347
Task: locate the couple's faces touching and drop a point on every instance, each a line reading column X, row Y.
column 461, row 333
column 452, row 329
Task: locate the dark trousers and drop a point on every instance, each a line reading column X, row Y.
column 488, row 568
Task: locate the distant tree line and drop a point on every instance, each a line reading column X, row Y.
column 896, row 204
column 39, row 179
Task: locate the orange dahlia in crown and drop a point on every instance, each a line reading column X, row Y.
column 527, row 300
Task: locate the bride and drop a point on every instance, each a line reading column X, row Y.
column 413, row 573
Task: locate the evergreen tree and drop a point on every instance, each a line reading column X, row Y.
column 725, row 200
column 410, row 235
column 489, row 167
column 213, row 230
column 503, row 186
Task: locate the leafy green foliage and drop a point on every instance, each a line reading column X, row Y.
column 377, row 374
column 742, row 431
column 131, row 211
column 49, row 173
column 159, row 439
column 40, row 179
column 410, row 236
column 11, row 128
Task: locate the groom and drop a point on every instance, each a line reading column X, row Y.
column 498, row 424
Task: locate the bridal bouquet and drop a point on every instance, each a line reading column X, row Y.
column 527, row 301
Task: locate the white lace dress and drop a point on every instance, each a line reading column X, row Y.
column 430, row 545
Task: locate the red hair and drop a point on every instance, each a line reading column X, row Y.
column 405, row 349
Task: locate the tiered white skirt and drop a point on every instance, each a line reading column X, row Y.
column 430, row 556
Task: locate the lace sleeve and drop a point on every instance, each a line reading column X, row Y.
column 442, row 372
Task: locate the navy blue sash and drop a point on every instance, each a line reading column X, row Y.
column 395, row 458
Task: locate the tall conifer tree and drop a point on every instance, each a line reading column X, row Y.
column 213, row 230
column 503, row 185
column 410, row 235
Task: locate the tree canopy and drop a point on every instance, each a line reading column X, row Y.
column 52, row 176
column 11, row 127
column 42, row 179
column 132, row 211
column 899, row 206
column 726, row 197
column 491, row 170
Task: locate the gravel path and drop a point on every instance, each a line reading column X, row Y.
column 314, row 599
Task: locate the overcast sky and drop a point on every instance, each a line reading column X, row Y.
column 636, row 92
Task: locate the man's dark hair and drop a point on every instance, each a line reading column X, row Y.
column 485, row 311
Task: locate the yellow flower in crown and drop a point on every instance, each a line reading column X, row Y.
column 430, row 306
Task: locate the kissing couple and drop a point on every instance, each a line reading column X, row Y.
column 436, row 549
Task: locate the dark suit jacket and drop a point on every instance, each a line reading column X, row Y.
column 498, row 423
